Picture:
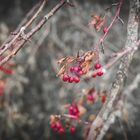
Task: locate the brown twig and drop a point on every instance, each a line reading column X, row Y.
column 101, row 40
column 22, row 29
column 17, row 42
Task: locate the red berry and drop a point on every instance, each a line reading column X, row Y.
column 61, row 130
column 76, row 79
column 81, row 72
column 53, row 125
column 105, row 30
column 97, row 66
column 76, row 69
column 103, row 98
column 58, row 125
column 72, row 129
column 73, row 110
column 71, row 79
column 94, row 74
column 72, row 69
column 100, row 73
column 90, row 98
column 65, row 77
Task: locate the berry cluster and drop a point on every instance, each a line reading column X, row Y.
column 6, row 70
column 57, row 126
column 99, row 71
column 74, row 111
column 76, row 71
column 92, row 95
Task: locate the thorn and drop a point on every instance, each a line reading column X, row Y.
column 13, row 33
column 120, row 19
column 113, row 55
column 102, row 48
column 115, row 4
column 69, row 3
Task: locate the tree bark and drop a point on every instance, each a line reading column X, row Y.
column 98, row 130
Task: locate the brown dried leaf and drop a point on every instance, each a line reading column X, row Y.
column 86, row 66
column 97, row 22
column 91, row 91
column 82, row 100
column 62, row 60
column 88, row 58
column 52, row 118
column 68, row 59
column 92, row 117
column 82, row 110
column 89, row 55
column 62, row 70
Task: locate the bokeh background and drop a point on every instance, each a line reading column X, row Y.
column 34, row 92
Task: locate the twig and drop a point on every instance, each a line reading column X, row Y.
column 123, row 129
column 73, row 117
column 17, row 44
column 101, row 40
column 117, row 85
column 22, row 29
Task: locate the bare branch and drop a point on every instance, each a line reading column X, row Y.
column 21, row 38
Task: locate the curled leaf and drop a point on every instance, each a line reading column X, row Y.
column 97, row 22
column 62, row 70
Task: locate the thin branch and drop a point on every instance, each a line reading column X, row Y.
column 22, row 29
column 111, row 24
column 17, row 42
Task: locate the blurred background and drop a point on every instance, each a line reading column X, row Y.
column 33, row 92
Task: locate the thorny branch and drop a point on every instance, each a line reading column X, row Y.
column 109, row 27
column 115, row 91
column 22, row 29
column 17, row 42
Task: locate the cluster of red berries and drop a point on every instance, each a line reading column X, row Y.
column 74, row 111
column 92, row 95
column 6, row 70
column 92, row 98
column 76, row 71
column 71, row 79
column 57, row 127
column 100, row 72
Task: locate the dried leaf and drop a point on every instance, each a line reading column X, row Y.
column 82, row 110
column 62, row 60
column 88, row 58
column 86, row 66
column 97, row 22
column 62, row 70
